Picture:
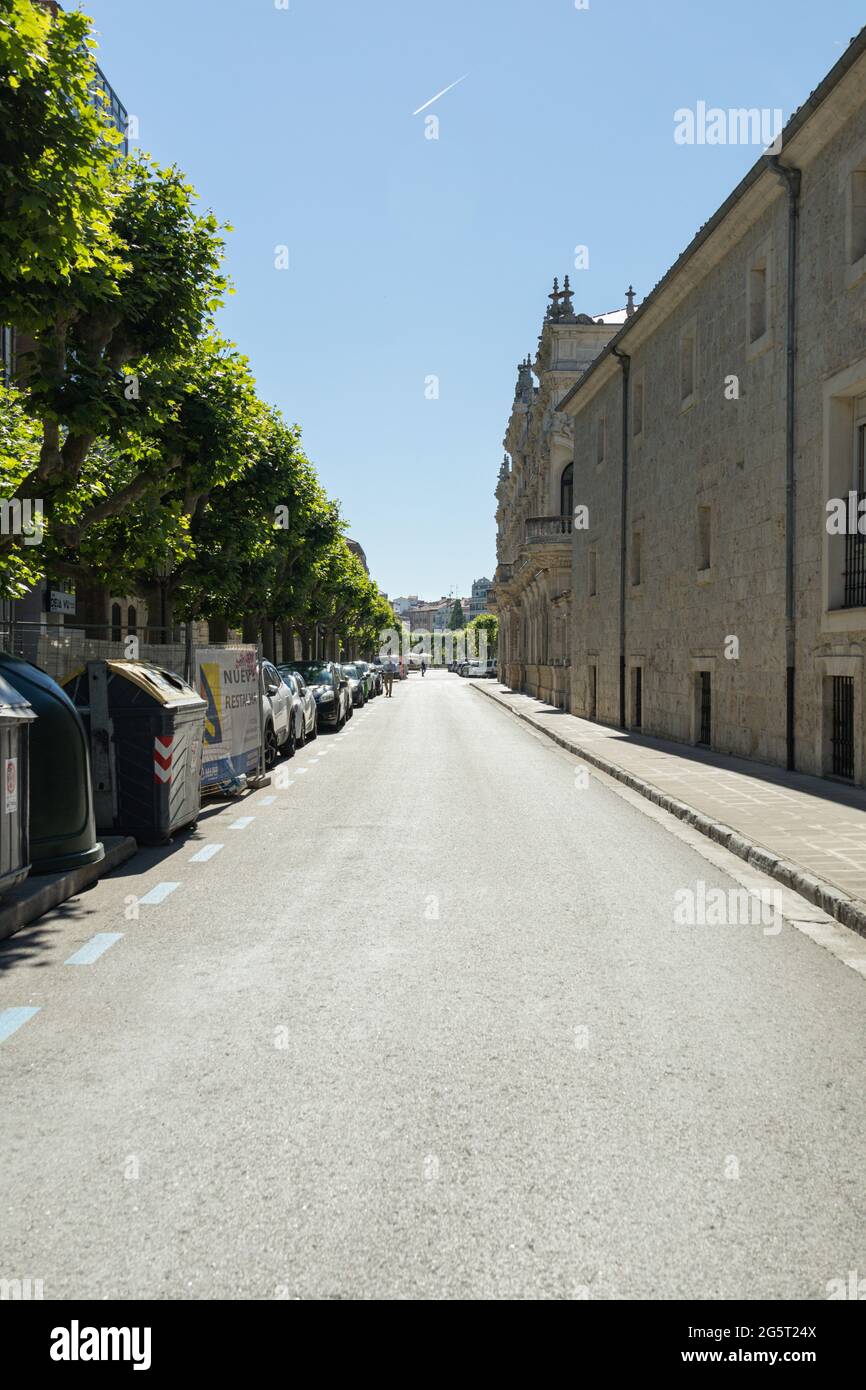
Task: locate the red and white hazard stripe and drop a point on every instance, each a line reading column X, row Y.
column 162, row 750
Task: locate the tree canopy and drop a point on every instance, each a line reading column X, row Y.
column 132, row 424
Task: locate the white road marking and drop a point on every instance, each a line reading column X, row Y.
column 205, row 854
column 94, row 948
column 13, row 1019
column 157, row 895
column 267, row 801
column 242, row 823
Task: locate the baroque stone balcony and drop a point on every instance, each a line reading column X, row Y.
column 548, row 530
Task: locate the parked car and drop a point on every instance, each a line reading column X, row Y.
column 357, row 684
column 490, row 669
column 369, row 682
column 278, row 702
column 308, row 720
column 330, row 690
column 377, row 673
column 396, row 666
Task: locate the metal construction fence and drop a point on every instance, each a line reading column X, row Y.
column 61, row 651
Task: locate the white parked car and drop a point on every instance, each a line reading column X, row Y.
column 280, row 721
column 307, row 725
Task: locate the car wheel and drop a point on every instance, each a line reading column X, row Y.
column 302, row 734
column 314, row 732
column 290, row 743
column 271, row 746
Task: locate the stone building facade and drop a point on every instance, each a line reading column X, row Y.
column 532, row 585
column 711, row 599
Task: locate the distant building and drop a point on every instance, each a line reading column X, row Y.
column 403, row 604
column 356, row 549
column 477, row 604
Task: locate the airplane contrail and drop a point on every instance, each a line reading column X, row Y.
column 440, row 94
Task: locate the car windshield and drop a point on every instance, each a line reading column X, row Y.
column 315, row 673
column 350, row 671
column 287, row 677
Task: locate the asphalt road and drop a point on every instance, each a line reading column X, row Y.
column 425, row 1027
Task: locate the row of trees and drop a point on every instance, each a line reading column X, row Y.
column 132, row 424
column 477, row 638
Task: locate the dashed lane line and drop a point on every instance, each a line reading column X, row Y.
column 205, row 854
column 94, row 948
column 13, row 1019
column 157, row 895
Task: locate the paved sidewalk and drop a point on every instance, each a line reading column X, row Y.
column 807, row 832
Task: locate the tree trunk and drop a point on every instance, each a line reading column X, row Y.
column 218, row 630
column 251, row 628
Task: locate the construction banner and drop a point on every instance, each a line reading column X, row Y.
column 227, row 679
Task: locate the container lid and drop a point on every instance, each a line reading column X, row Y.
column 165, row 687
column 13, row 705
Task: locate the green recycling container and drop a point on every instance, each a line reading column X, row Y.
column 62, row 824
column 16, row 716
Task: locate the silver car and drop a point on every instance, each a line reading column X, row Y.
column 308, row 717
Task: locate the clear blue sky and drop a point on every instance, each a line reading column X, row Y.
column 412, row 257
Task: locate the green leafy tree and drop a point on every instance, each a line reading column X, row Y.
column 19, row 445
column 57, row 158
column 457, row 619
column 116, row 367
column 486, row 623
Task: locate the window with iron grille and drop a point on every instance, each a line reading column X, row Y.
column 842, row 729
column 705, row 695
column 855, row 544
column 593, row 691
column 637, row 697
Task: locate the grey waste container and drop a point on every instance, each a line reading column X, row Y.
column 16, row 716
column 156, row 733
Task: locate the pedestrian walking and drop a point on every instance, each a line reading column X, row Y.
column 388, row 677
column 423, row 667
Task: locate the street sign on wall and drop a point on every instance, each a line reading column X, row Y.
column 227, row 678
column 59, row 602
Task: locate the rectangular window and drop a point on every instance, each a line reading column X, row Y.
column 593, row 692
column 637, row 697
column 687, row 365
column 854, row 576
column 593, row 573
column 842, row 731
column 857, row 216
column 705, row 538
column 705, row 698
column 636, row 558
column 601, row 439
column 637, row 408
column 758, row 300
